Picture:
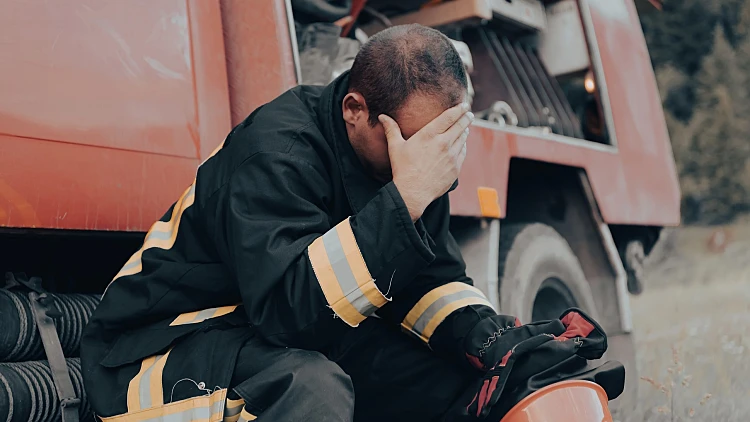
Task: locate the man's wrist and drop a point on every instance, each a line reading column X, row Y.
column 414, row 213
column 412, row 202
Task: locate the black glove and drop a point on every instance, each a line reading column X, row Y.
column 512, row 353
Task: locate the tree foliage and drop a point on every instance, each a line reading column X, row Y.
column 703, row 73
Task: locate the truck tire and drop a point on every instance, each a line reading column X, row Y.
column 540, row 277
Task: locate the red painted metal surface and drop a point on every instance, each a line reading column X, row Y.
column 259, row 53
column 209, row 74
column 634, row 183
column 71, row 186
column 651, row 193
column 106, row 108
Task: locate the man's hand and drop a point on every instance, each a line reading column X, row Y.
column 425, row 167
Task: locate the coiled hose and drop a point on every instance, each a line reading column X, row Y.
column 19, row 336
column 27, row 392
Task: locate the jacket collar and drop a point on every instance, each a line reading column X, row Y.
column 360, row 187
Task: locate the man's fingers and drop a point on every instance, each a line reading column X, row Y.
column 392, row 131
column 462, row 156
column 456, row 131
column 460, row 142
column 446, row 119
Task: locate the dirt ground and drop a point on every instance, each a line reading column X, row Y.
column 692, row 327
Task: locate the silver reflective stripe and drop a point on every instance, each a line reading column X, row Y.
column 344, row 274
column 232, row 411
column 159, row 235
column 131, row 265
column 165, row 235
column 436, row 306
column 362, row 304
column 203, row 315
column 144, row 386
column 190, row 415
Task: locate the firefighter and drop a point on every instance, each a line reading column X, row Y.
column 310, row 263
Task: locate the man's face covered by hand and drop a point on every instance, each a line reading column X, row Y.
column 369, row 142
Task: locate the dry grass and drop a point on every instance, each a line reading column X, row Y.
column 693, row 330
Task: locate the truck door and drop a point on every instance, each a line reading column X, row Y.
column 628, row 93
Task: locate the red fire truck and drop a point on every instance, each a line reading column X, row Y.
column 108, row 107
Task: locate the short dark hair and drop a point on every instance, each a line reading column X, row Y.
column 402, row 60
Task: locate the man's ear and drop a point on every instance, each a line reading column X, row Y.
column 354, row 108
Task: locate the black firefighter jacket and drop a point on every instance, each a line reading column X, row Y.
column 283, row 220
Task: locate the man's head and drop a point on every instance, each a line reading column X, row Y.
column 411, row 73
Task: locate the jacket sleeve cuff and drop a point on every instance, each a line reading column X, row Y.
column 394, row 248
column 415, row 232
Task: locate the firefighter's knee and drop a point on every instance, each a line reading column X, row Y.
column 321, row 387
column 326, row 377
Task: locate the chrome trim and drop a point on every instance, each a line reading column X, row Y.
column 293, row 38
column 621, row 278
column 547, row 136
column 493, row 263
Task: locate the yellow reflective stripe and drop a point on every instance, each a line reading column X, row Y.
column 184, row 318
column 447, row 310
column 235, row 403
column 343, row 275
column 330, row 285
column 233, row 409
column 145, row 389
column 155, row 382
column 200, row 316
column 246, row 416
column 134, row 397
column 234, row 418
column 161, row 235
column 134, row 402
column 437, row 304
column 217, row 149
column 357, row 264
column 196, row 409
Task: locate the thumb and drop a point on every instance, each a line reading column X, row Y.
column 392, row 131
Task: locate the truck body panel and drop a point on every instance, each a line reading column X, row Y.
column 107, row 110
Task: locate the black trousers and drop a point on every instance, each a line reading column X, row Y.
column 375, row 373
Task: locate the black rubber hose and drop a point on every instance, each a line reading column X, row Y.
column 321, row 10
column 27, row 392
column 19, row 336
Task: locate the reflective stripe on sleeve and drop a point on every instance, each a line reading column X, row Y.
column 343, row 276
column 437, row 304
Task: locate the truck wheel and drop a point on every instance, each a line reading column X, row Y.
column 540, row 277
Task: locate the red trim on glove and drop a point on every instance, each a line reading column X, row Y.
column 576, row 326
column 476, row 362
column 483, row 397
column 505, row 358
column 493, row 386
